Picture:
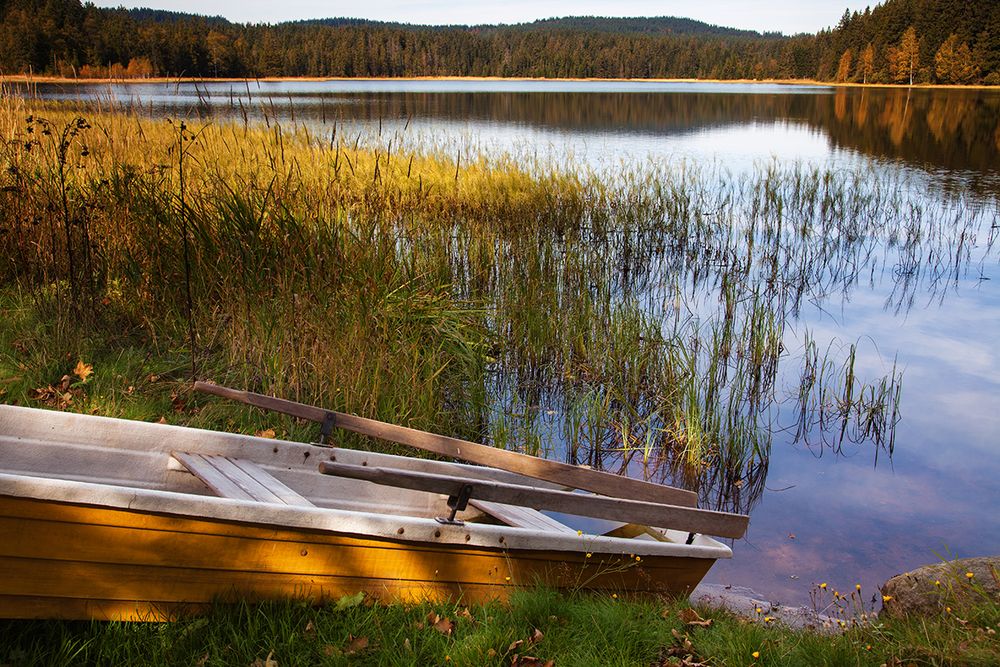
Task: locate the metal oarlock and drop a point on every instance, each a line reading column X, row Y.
column 457, row 504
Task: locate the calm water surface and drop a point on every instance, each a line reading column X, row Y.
column 840, row 517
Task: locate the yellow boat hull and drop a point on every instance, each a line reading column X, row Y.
column 69, row 560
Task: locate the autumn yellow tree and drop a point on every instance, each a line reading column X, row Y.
column 953, row 63
column 844, row 68
column 905, row 57
column 866, row 63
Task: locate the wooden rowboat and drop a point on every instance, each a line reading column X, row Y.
column 112, row 519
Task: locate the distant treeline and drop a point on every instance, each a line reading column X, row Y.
column 900, row 41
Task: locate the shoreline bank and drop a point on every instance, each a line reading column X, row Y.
column 34, row 79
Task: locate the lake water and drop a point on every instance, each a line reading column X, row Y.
column 824, row 516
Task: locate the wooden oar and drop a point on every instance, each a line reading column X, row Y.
column 567, row 475
column 600, row 507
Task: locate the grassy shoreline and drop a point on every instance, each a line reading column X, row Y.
column 537, row 627
column 29, row 79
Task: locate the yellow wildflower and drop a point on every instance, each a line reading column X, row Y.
column 823, row 585
column 886, row 598
column 969, row 575
column 857, row 587
column 755, row 654
column 937, row 582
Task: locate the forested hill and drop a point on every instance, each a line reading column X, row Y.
column 902, row 41
column 655, row 25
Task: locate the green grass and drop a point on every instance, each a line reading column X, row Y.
column 578, row 629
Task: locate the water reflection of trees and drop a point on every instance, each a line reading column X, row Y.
column 947, row 130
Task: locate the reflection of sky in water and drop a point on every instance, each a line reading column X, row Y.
column 851, row 521
column 854, row 522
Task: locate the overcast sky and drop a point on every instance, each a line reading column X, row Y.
column 788, row 16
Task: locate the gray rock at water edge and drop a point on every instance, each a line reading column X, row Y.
column 745, row 602
column 915, row 593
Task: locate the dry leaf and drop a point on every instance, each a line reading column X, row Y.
column 406, row 644
column 691, row 617
column 83, row 371
column 445, row 626
column 162, row 420
column 466, row 614
column 355, row 645
column 266, row 662
column 536, row 636
column 330, row 650
column 310, row 631
column 266, row 433
column 516, row 645
column 491, row 653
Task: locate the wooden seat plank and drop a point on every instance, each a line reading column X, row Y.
column 239, row 479
column 521, row 517
column 212, row 477
column 284, row 493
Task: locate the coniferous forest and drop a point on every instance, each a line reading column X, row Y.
column 899, row 41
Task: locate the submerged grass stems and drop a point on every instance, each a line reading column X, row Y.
column 634, row 323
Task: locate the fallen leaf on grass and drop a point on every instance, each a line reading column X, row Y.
column 266, row 662
column 691, row 617
column 266, row 433
column 443, row 625
column 684, row 644
column 83, row 371
column 536, row 636
column 310, row 631
column 466, row 614
column 355, row 645
column 54, row 397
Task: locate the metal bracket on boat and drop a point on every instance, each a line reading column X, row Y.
column 690, row 539
column 457, row 504
column 329, row 421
